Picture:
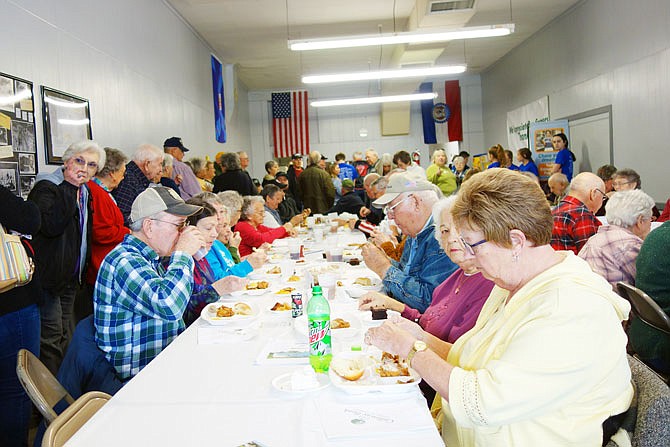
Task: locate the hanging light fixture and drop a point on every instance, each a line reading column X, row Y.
column 384, row 74
column 472, row 32
column 373, row 100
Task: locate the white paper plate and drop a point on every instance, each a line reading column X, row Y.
column 371, row 382
column 280, row 313
column 300, row 325
column 357, row 291
column 283, row 383
column 209, row 315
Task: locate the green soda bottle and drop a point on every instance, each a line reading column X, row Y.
column 320, row 346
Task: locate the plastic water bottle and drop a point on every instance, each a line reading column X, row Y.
column 320, row 346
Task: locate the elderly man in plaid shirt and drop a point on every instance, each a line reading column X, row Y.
column 574, row 218
column 138, row 301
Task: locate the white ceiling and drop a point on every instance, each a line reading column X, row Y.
column 253, row 34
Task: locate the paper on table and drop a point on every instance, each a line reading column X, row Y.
column 213, row 335
column 284, row 353
column 362, row 419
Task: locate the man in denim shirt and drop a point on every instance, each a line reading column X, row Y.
column 423, row 265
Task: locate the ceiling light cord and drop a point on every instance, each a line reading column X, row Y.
column 394, row 5
column 288, row 35
column 511, row 19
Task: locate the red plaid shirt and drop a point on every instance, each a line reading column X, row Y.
column 574, row 224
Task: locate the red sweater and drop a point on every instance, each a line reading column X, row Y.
column 255, row 237
column 108, row 229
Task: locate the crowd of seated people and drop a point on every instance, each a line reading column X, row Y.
column 148, row 240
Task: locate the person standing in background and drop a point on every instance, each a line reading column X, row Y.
column 318, row 192
column 564, row 158
column 347, row 171
column 188, row 185
column 293, row 173
column 440, row 175
column 19, row 325
column 526, row 163
column 62, row 244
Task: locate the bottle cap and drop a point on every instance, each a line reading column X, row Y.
column 317, row 289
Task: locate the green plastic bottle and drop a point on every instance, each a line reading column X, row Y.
column 320, row 345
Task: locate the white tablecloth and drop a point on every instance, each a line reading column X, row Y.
column 198, row 394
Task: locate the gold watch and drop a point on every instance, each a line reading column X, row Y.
column 418, row 346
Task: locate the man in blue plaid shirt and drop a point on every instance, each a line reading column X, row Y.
column 139, row 300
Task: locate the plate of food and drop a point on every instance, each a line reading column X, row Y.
column 342, row 325
column 280, row 308
column 294, row 278
column 227, row 313
column 359, row 286
column 358, row 373
column 253, row 288
column 303, row 380
column 285, row 291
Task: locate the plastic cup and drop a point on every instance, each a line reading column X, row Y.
column 328, row 282
column 294, row 249
column 336, row 254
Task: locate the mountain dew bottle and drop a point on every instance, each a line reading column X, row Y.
column 320, row 346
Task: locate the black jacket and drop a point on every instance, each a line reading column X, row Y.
column 24, row 217
column 57, row 243
column 348, row 203
column 235, row 180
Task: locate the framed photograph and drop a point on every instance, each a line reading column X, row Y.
column 27, row 183
column 17, row 133
column 67, row 119
column 9, row 176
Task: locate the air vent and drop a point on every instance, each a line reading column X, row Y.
column 442, row 6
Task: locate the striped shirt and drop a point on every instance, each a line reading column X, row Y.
column 138, row 304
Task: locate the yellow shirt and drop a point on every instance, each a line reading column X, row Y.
column 545, row 369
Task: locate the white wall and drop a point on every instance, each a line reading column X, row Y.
column 336, row 129
column 146, row 74
column 599, row 53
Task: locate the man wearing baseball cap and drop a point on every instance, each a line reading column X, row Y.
column 409, row 201
column 139, row 300
column 181, row 173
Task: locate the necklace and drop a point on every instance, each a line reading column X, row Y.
column 464, row 277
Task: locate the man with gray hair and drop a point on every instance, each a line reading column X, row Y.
column 574, row 218
column 316, row 187
column 613, row 250
column 376, row 164
column 423, row 265
column 141, row 171
column 181, row 173
column 139, row 300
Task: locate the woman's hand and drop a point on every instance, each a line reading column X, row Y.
column 390, row 337
column 297, row 219
column 235, row 239
column 409, row 326
column 229, row 284
column 376, row 300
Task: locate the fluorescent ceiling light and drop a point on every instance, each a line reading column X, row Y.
column 373, row 100
column 384, row 74
column 472, row 32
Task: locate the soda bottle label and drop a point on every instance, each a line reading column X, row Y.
column 319, row 337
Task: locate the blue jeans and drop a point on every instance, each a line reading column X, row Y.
column 20, row 329
column 57, row 315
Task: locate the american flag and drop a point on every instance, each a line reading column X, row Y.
column 290, row 123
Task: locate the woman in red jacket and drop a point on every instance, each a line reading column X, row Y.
column 251, row 228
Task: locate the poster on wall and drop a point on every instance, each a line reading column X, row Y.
column 67, row 120
column 18, row 148
column 542, row 148
column 519, row 119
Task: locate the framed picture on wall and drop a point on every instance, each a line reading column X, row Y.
column 18, row 148
column 67, row 119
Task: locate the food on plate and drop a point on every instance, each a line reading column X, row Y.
column 355, row 245
column 354, row 261
column 224, row 312
column 285, row 291
column 279, row 307
column 276, row 270
column 365, row 282
column 403, row 382
column 339, row 323
column 242, row 309
column 300, row 261
column 348, row 369
column 339, row 284
column 257, row 285
column 379, row 313
column 391, row 366
column 293, row 278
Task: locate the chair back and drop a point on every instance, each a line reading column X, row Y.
column 653, row 406
column 73, row 418
column 40, row 385
column 645, row 308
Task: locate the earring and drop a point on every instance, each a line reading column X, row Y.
column 515, row 257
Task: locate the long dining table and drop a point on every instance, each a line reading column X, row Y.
column 218, row 385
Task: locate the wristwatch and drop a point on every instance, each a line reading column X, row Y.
column 418, row 346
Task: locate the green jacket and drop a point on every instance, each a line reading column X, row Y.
column 318, row 192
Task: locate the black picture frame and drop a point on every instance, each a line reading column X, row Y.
column 67, row 120
column 17, row 133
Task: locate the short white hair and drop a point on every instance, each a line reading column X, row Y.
column 624, row 207
column 148, row 152
column 438, row 209
column 85, row 146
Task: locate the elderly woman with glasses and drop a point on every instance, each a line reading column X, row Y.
column 61, row 244
column 612, row 251
column 254, row 234
column 626, row 180
column 546, row 363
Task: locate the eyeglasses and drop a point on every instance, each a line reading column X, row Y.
column 389, row 209
column 470, row 248
column 180, row 226
column 603, row 194
column 616, row 184
column 82, row 163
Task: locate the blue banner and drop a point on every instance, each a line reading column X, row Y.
column 219, row 106
column 429, row 136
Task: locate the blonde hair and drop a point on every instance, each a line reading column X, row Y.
column 499, row 200
column 436, row 153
